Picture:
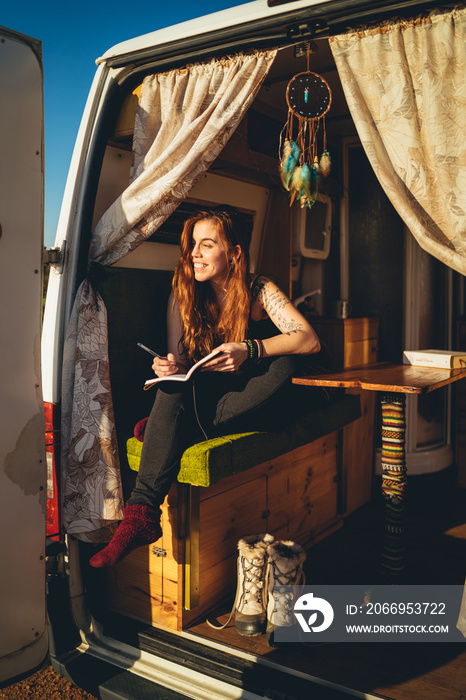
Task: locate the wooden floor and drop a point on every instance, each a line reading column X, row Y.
column 436, row 554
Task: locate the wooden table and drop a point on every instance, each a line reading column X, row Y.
column 394, row 382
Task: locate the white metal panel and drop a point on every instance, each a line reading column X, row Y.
column 247, row 12
column 23, row 635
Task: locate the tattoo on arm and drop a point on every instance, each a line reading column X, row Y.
column 258, row 290
column 288, row 326
column 274, row 304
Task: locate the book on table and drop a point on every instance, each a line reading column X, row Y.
column 180, row 377
column 440, row 359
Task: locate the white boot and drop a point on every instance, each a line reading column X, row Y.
column 285, row 568
column 251, row 597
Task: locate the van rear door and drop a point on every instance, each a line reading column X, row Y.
column 23, row 630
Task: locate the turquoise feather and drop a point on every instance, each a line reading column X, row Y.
column 301, row 180
column 304, row 185
column 290, row 157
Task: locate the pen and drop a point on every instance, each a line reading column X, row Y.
column 151, row 352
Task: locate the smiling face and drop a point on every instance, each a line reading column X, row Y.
column 210, row 254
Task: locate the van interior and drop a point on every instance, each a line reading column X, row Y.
column 351, row 246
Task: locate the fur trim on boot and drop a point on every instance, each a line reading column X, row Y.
column 285, row 568
column 254, row 546
column 140, row 526
column 288, row 555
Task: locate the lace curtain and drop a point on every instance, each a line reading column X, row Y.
column 184, row 119
column 405, row 87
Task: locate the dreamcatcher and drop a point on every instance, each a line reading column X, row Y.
column 309, row 98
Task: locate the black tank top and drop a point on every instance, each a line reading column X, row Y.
column 265, row 328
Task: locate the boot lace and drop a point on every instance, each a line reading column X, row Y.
column 253, row 580
column 284, row 598
column 254, row 576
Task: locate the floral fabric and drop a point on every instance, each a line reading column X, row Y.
column 461, row 623
column 91, row 474
column 184, row 120
column 405, row 87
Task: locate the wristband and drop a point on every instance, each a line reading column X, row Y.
column 254, row 349
column 260, row 348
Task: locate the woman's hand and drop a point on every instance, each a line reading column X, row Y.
column 229, row 359
column 165, row 366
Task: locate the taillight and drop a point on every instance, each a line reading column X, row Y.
column 52, row 449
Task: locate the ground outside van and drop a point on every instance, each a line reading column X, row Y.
column 139, row 629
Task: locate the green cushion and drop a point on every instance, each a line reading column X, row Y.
column 134, row 449
column 208, row 462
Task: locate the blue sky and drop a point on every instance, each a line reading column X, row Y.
column 73, row 35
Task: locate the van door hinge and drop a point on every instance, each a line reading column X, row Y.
column 54, row 256
column 306, row 30
column 54, row 559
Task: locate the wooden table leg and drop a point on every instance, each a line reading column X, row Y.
column 394, row 479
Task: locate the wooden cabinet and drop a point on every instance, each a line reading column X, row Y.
column 353, row 342
column 192, row 568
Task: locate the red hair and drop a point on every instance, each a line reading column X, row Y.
column 203, row 326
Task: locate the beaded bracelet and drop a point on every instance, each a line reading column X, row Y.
column 255, row 349
column 252, row 349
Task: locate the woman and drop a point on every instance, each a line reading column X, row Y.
column 215, row 303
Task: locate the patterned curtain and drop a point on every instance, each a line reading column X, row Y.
column 184, row 119
column 405, row 86
column 461, row 623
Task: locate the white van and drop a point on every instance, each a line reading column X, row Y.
column 139, row 629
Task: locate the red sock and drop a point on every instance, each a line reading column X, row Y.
column 140, row 526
